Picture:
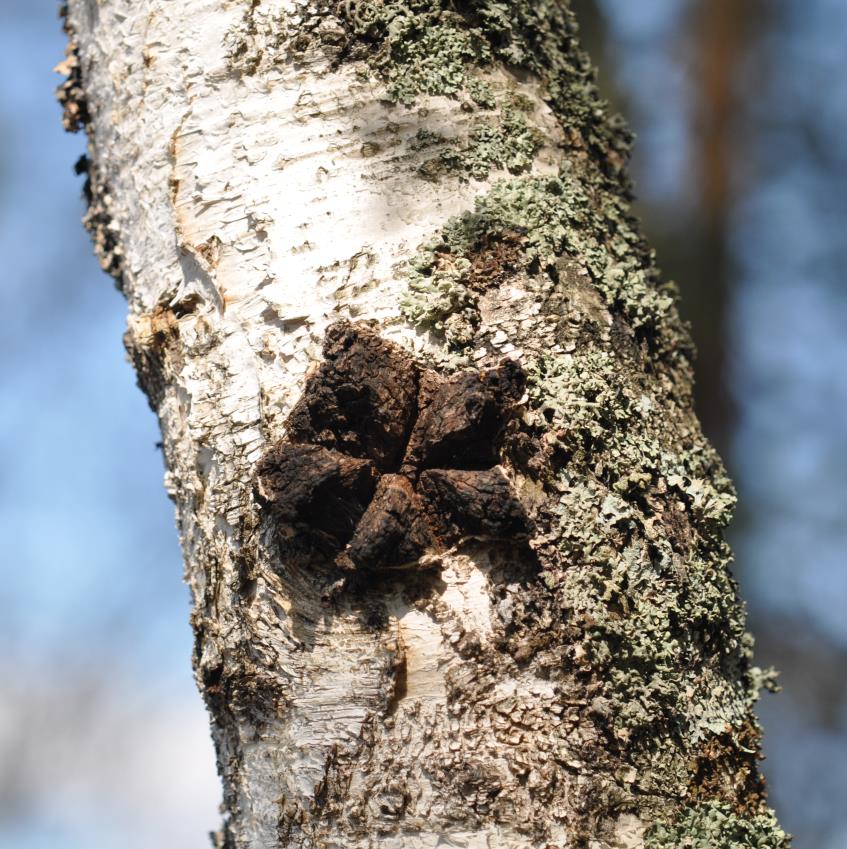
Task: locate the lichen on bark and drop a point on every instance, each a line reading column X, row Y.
column 576, row 672
column 509, row 144
column 551, row 217
column 634, row 598
column 715, row 825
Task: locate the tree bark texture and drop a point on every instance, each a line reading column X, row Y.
column 452, row 531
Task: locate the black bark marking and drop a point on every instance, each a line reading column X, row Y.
column 362, row 400
column 479, row 504
column 461, row 418
column 355, row 477
column 394, row 531
column 314, row 488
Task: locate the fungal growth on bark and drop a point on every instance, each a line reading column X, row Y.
column 385, row 462
column 579, row 673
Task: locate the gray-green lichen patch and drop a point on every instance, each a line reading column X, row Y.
column 425, row 48
column 430, row 54
column 506, row 142
column 632, row 552
column 434, row 46
column 554, row 216
column 716, row 826
column 635, row 596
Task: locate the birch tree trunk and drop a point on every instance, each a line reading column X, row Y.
column 452, row 531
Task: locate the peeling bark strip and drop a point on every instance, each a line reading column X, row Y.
column 389, row 303
column 355, row 475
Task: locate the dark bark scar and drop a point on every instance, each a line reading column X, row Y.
column 385, row 462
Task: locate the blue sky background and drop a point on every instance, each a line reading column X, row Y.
column 103, row 738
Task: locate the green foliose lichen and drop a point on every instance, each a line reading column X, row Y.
column 622, row 431
column 508, row 144
column 655, row 603
column 556, row 216
column 433, row 47
column 430, row 57
column 716, row 826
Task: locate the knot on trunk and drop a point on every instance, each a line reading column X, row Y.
column 385, row 462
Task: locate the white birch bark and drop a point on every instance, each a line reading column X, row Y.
column 252, row 185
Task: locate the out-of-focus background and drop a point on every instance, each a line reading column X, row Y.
column 740, row 107
column 104, row 740
column 741, row 166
